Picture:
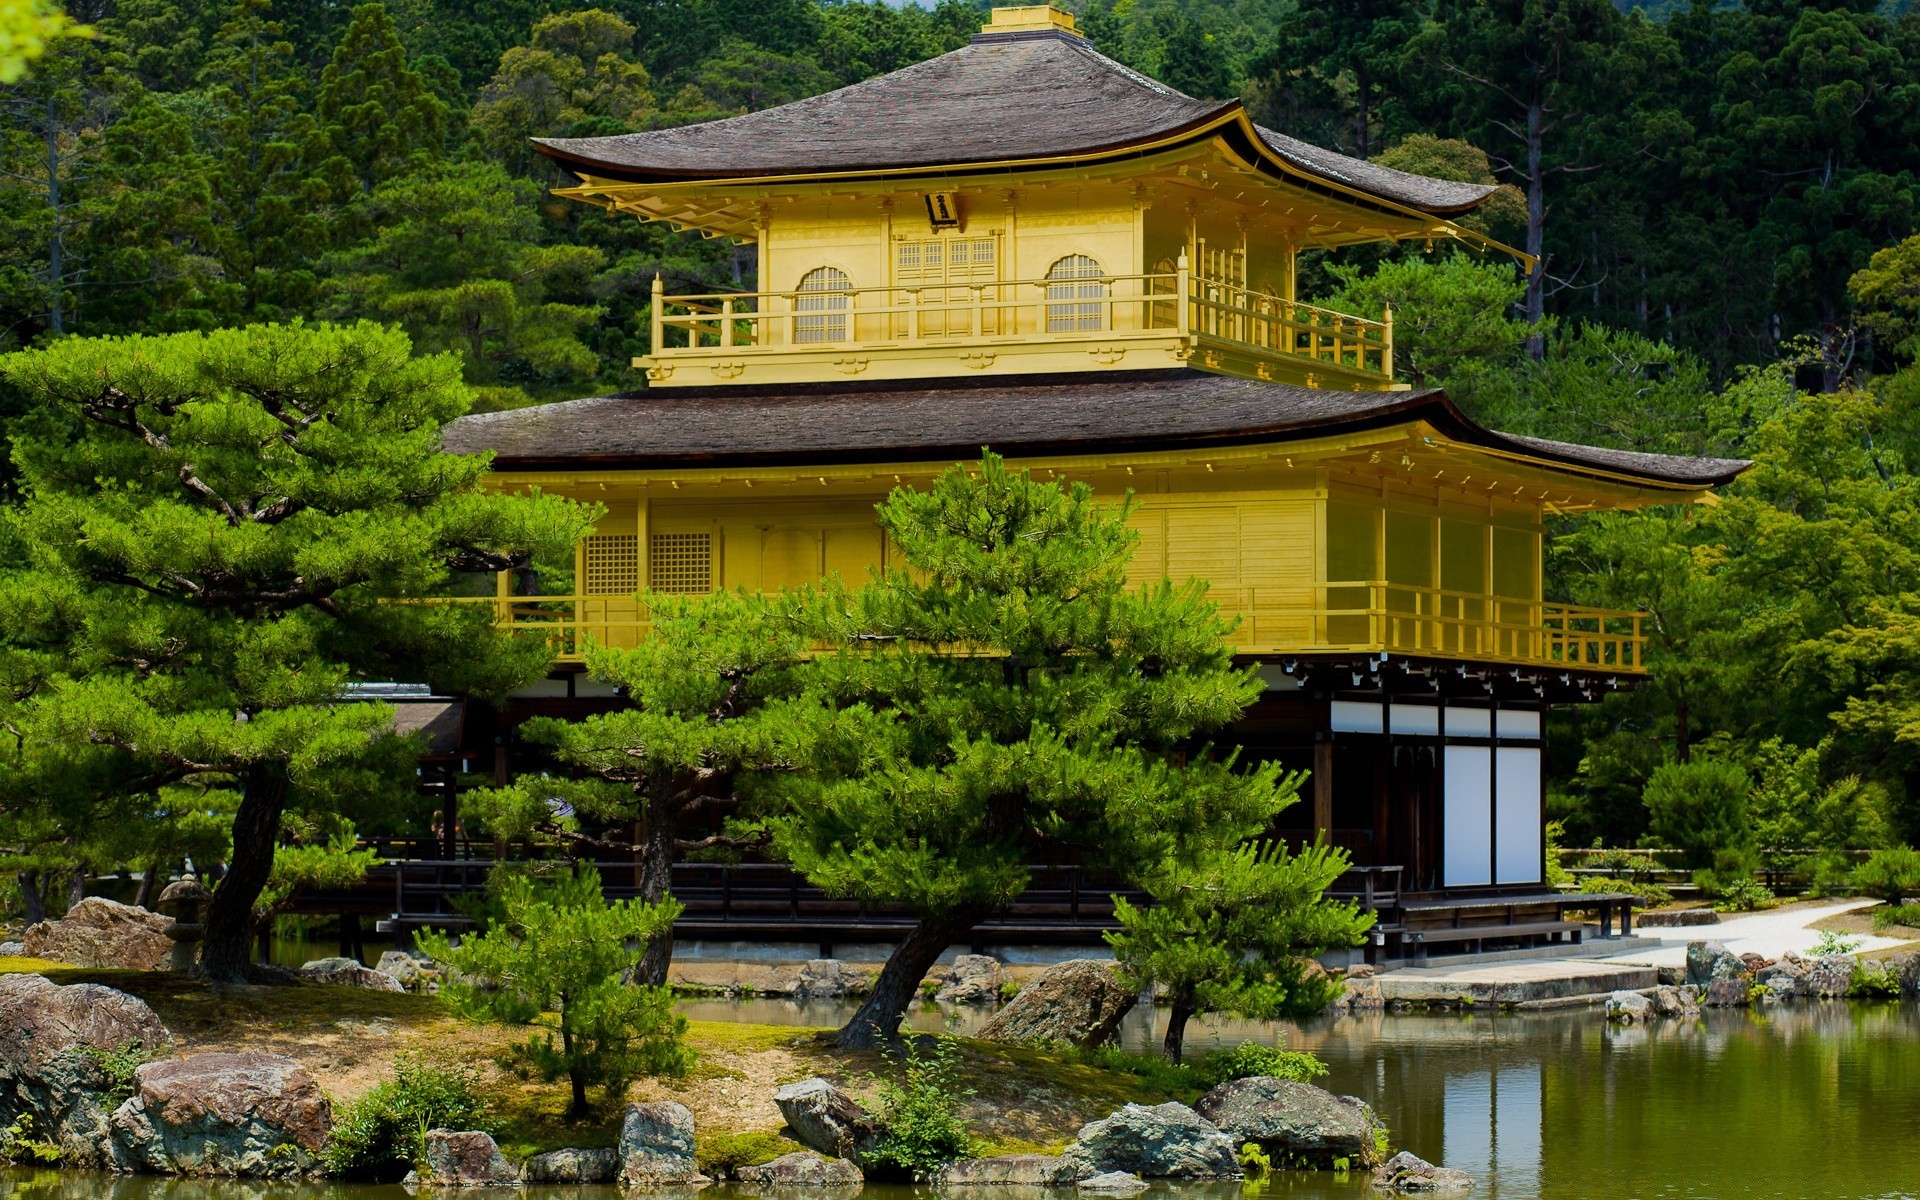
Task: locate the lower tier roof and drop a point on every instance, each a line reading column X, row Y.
column 1018, row 417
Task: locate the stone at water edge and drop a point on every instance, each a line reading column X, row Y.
column 825, row 979
column 1077, row 1003
column 656, row 1145
column 1906, row 968
column 1829, row 977
column 1727, row 993
column 255, row 1115
column 1114, row 1183
column 573, row 1165
column 1294, row 1122
column 1707, row 961
column 345, row 972
column 1407, row 1174
column 802, row 1169
column 824, row 1118
column 1166, row 1141
column 1670, row 976
column 466, row 1158
column 969, row 979
column 1683, row 1001
column 44, row 1074
column 1628, row 1007
column 103, row 933
column 1027, row 1170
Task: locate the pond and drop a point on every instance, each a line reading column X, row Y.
column 1814, row 1102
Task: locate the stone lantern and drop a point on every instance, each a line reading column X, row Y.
column 184, row 899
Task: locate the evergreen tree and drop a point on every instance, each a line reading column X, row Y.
column 573, row 71
column 1234, row 931
column 218, row 521
column 375, row 111
column 1341, row 55
column 1006, row 699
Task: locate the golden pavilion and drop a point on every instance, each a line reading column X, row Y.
column 1025, row 245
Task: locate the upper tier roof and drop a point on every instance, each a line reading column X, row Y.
column 1019, row 417
column 1004, row 98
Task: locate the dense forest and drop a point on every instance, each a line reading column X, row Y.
column 1722, row 198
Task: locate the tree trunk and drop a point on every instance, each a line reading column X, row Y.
column 76, row 886
column 1177, row 1018
column 656, row 878
column 143, row 898
column 1536, row 301
column 31, row 900
column 879, row 1018
column 227, row 950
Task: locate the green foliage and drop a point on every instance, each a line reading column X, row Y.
column 1557, row 874
column 18, row 1145
column 1889, row 915
column 1874, row 981
column 119, row 1065
column 720, row 1154
column 1254, row 1161
column 1251, row 1059
column 1235, row 930
column 27, row 28
column 1888, row 292
column 1830, row 942
column 560, row 948
column 573, row 71
column 1740, row 893
column 1451, row 322
column 1651, row 894
column 916, row 1113
column 1891, row 874
column 380, row 1134
column 1700, row 809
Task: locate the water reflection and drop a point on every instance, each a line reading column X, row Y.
column 1805, row 1103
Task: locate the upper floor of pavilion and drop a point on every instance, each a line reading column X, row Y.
column 1022, row 205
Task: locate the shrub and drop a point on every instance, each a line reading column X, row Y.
column 1652, row 895
column 119, row 1064
column 1700, row 809
column 1874, row 981
column 721, row 1154
column 558, row 947
column 917, row 1116
column 1249, row 1059
column 1897, row 914
column 17, row 1143
column 1892, row 874
column 380, row 1134
column 1744, row 894
column 1830, row 942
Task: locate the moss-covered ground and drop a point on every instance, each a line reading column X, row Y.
column 1021, row 1099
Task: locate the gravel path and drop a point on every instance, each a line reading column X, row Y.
column 1768, row 934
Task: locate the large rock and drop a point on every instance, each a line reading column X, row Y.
column 98, row 932
column 1628, row 1007
column 252, row 1114
column 1404, row 1173
column 1785, row 975
column 601, row 1165
column 1114, row 1183
column 1682, row 1001
column 1018, row 1170
column 656, row 1145
column 1728, row 993
column 1361, row 992
column 466, row 1158
column 802, row 1169
column 1294, row 1122
column 970, row 979
column 1675, row 917
column 1829, row 976
column 412, row 970
column 824, row 1118
column 345, row 972
column 1078, row 1003
column 1167, row 1141
column 46, row 1070
column 825, row 979
column 1708, row 961
column 1906, row 968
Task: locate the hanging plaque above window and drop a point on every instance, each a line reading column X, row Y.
column 943, row 210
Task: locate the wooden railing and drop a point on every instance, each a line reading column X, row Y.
column 1312, row 618
column 1017, row 311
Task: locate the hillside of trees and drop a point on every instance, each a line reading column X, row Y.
column 1723, row 199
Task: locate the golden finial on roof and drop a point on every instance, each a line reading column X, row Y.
column 1029, row 17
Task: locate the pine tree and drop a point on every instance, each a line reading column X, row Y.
column 1235, row 930
column 375, row 110
column 217, row 523
column 1004, row 700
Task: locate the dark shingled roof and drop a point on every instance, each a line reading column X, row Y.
column 1022, row 416
column 1004, row 97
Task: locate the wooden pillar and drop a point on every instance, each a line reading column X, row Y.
column 449, row 821
column 1323, row 787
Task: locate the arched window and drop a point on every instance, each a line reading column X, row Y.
column 1077, row 301
column 821, row 306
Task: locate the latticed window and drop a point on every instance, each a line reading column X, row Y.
column 680, row 562
column 821, row 306
column 945, row 271
column 1076, row 299
column 613, row 564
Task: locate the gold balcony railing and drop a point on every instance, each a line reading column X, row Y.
column 999, row 315
column 1359, row 617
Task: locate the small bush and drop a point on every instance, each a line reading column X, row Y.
column 1249, row 1059
column 381, row 1135
column 1874, row 981
column 1891, row 875
column 1700, row 809
column 1652, row 895
column 1897, row 914
column 918, row 1115
column 1744, row 894
column 119, row 1064
column 17, row 1143
column 1830, row 942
